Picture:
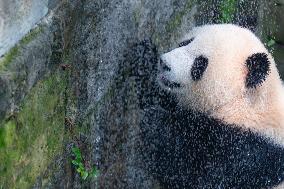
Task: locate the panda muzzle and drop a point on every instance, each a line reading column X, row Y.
column 169, row 83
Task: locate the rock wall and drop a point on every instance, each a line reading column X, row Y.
column 33, row 90
column 279, row 36
column 17, row 18
column 70, row 82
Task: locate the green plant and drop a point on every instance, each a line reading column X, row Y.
column 31, row 35
column 227, row 9
column 9, row 57
column 271, row 42
column 33, row 137
column 15, row 51
column 78, row 162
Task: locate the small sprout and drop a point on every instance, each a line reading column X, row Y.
column 271, row 42
column 80, row 167
column 95, row 172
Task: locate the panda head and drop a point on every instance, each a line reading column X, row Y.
column 223, row 70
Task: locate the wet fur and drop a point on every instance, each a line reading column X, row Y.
column 189, row 149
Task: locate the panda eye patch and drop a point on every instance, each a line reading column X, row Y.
column 186, row 42
column 199, row 66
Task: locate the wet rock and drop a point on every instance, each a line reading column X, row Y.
column 18, row 18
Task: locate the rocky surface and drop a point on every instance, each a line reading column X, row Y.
column 279, row 37
column 74, row 81
column 17, row 18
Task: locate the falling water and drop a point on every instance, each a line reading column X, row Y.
column 113, row 47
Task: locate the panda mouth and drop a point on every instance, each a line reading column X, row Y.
column 169, row 83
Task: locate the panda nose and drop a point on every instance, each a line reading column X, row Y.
column 164, row 66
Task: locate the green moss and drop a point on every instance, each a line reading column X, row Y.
column 9, row 57
column 177, row 19
column 30, row 141
column 15, row 51
column 31, row 35
column 227, row 10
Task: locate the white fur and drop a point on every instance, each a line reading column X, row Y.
column 280, row 186
column 221, row 92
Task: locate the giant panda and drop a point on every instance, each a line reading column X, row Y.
column 223, row 126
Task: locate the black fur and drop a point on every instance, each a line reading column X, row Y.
column 164, row 66
column 258, row 68
column 186, row 42
column 171, row 84
column 186, row 149
column 143, row 63
column 198, row 68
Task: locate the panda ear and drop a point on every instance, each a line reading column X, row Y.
column 258, row 69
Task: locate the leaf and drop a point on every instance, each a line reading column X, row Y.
column 77, row 152
column 271, row 42
column 80, row 168
column 94, row 172
column 85, row 175
column 74, row 162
